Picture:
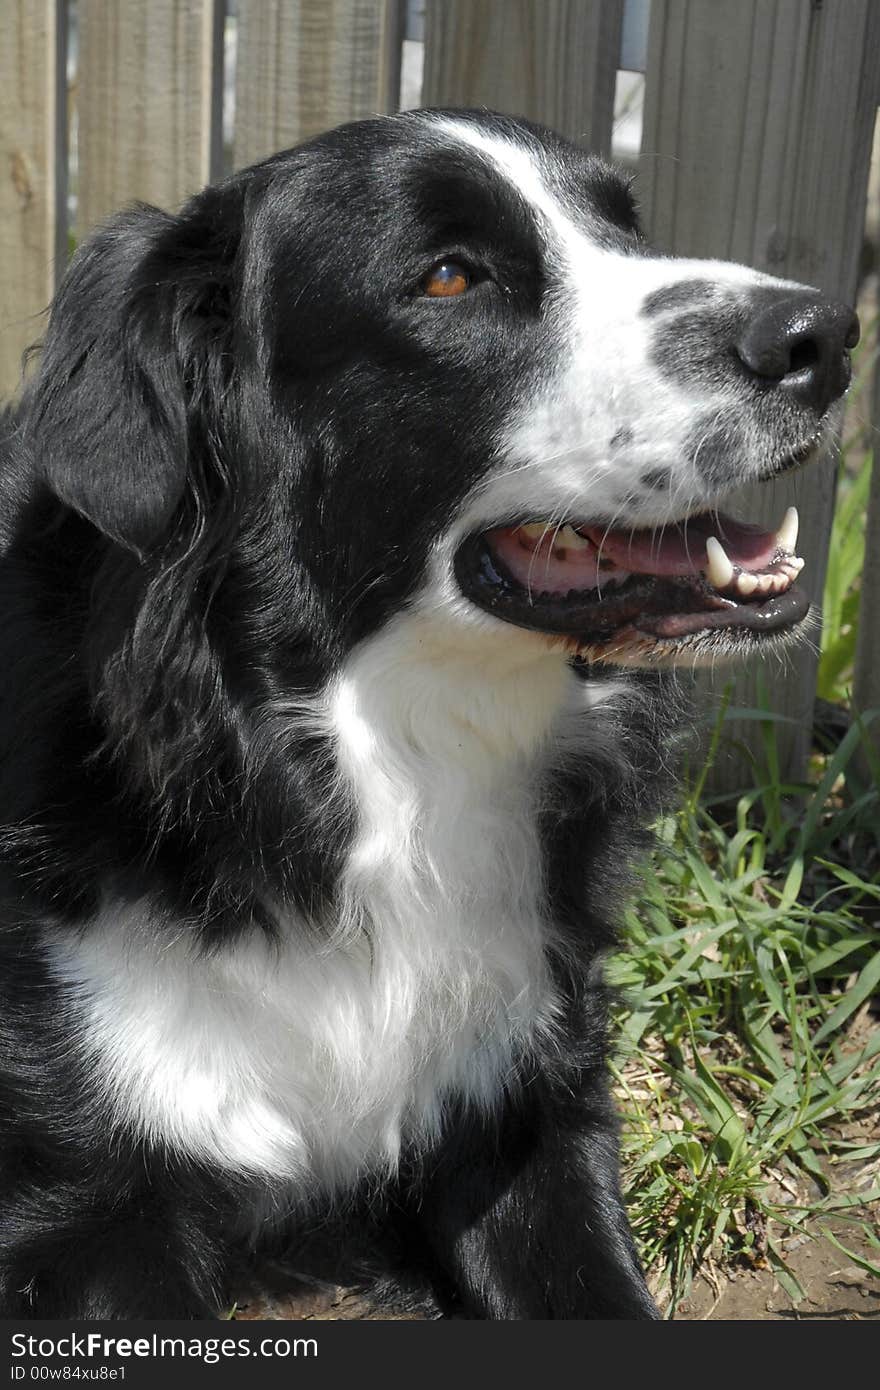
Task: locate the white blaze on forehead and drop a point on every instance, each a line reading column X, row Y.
column 521, row 165
column 599, row 375
column 522, row 169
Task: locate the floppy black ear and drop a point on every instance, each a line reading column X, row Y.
column 113, row 404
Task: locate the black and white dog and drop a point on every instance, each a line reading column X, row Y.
column 348, row 522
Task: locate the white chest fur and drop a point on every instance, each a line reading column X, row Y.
column 319, row 1057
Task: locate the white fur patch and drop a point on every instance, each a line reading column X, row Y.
column 315, row 1061
column 560, row 462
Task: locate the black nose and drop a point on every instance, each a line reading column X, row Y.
column 800, row 343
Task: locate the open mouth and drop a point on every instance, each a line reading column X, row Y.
column 706, row 581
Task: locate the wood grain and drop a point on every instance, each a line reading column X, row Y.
column 554, row 61
column 149, row 89
column 33, row 168
column 304, row 66
column 758, row 125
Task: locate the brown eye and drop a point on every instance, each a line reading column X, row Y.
column 446, row 279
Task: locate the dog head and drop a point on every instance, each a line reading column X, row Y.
column 429, row 361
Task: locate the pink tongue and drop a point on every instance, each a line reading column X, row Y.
column 681, row 549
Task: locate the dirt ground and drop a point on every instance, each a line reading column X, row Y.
column 835, row 1288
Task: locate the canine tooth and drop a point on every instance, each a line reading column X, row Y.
column 568, row 538
column 720, row 571
column 786, row 536
column 534, row 530
column 747, row 583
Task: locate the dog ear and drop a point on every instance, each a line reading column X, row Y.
column 123, row 375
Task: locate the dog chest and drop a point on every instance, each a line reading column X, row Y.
column 316, row 1058
column 296, row 1062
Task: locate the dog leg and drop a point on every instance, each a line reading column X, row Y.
column 524, row 1212
column 143, row 1261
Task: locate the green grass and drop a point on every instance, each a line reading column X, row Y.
column 746, row 1049
column 840, row 603
column 842, row 592
column 748, row 1056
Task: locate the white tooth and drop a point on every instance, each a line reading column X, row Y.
column 747, row 583
column 796, row 563
column 568, row 538
column 765, row 583
column 720, row 571
column 535, row 530
column 786, row 536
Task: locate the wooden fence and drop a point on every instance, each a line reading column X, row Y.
column 758, row 125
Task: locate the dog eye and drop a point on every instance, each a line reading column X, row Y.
column 447, row 279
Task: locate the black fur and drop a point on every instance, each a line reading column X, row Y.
column 244, row 434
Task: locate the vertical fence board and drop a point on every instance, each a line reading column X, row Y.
column 553, row 61
column 756, row 145
column 304, row 66
column 33, row 110
column 149, row 83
